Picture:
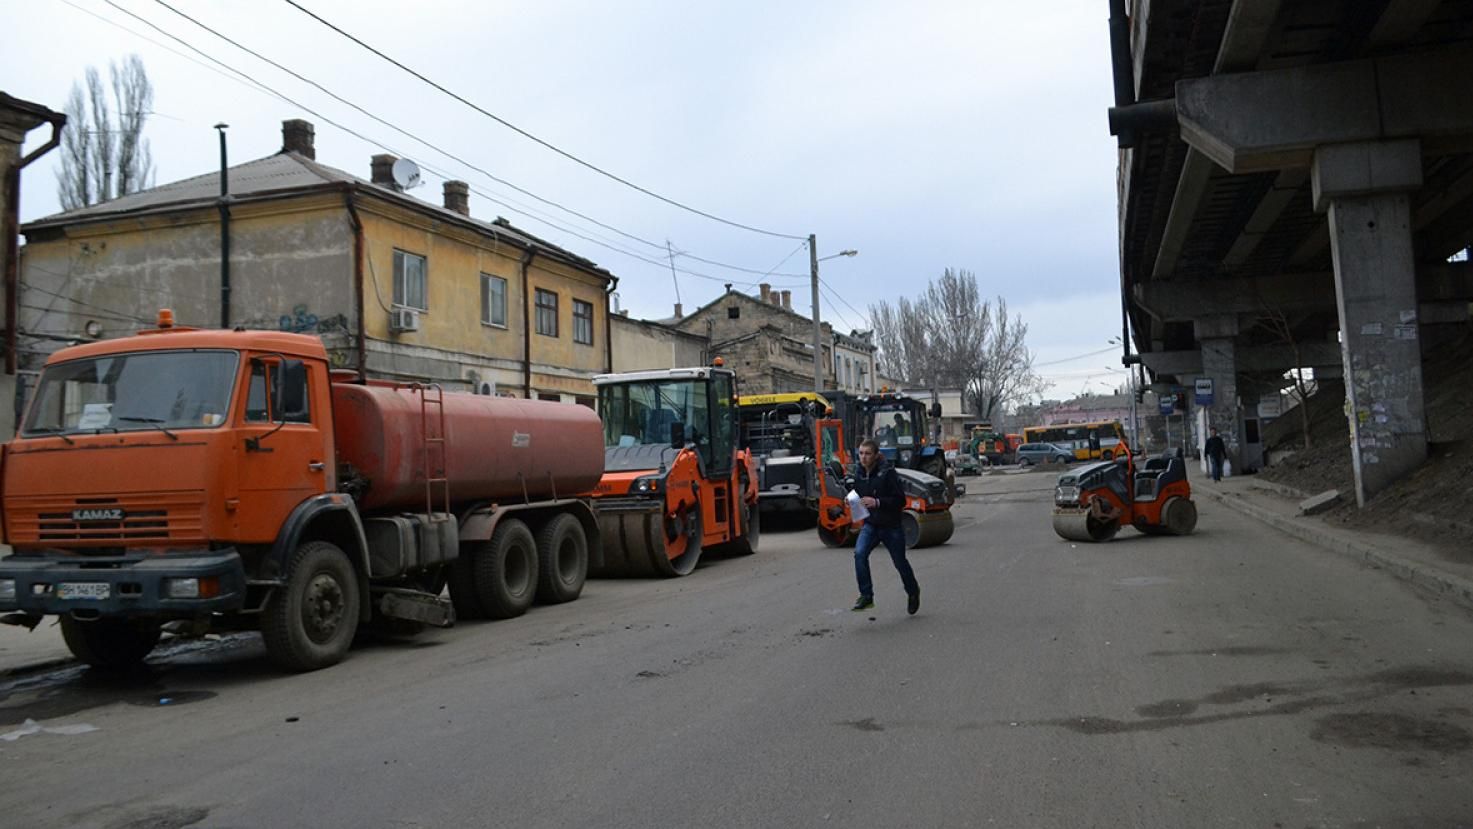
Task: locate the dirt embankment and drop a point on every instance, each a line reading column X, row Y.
column 1434, row 503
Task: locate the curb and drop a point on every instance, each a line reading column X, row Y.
column 1457, row 588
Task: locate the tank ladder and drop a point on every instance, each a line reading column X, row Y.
column 434, row 442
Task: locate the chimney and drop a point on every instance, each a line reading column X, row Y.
column 766, row 290
column 383, row 170
column 458, row 197
column 788, row 300
column 678, row 312
column 297, row 136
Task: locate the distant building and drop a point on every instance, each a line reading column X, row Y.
column 854, row 362
column 646, row 344
column 768, row 344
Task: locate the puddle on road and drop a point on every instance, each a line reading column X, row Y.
column 1393, row 732
column 1142, row 581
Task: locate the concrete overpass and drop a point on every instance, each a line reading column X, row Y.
column 1296, row 189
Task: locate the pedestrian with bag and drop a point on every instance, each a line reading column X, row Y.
column 878, row 486
column 1216, row 451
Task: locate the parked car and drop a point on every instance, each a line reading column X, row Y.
column 1031, row 453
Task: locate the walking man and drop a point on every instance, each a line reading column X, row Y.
column 1216, row 451
column 878, row 487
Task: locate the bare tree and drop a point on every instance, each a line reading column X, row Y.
column 949, row 336
column 104, row 154
column 1276, row 321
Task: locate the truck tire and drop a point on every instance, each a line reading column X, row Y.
column 309, row 622
column 461, row 579
column 505, row 570
column 751, row 522
column 109, row 644
column 562, row 560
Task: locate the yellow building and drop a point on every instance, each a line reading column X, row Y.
column 397, row 288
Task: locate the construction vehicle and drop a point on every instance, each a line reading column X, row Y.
column 226, row 480
column 927, row 514
column 985, row 444
column 1092, row 502
column 901, row 425
column 676, row 482
column 779, row 431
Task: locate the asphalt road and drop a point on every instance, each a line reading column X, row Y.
column 1232, row 678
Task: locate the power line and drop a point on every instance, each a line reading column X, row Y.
column 1106, row 350
column 487, row 173
column 524, row 211
column 530, row 136
column 862, row 316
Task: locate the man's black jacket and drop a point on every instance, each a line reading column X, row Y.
column 1214, row 447
column 883, row 485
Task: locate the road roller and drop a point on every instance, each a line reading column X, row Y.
column 1092, row 502
column 927, row 517
column 676, row 482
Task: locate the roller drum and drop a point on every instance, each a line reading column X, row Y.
column 1082, row 525
column 927, row 529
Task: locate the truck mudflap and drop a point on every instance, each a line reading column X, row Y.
column 126, row 585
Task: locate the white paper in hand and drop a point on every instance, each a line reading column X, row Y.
column 857, row 511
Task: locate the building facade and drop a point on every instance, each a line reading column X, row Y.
column 398, row 288
column 768, row 344
column 645, row 344
column 854, row 362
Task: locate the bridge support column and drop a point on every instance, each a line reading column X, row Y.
column 1364, row 186
column 1215, row 336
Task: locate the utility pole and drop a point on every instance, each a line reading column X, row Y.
column 817, row 327
column 224, row 230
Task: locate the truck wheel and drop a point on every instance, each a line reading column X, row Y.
column 462, row 581
column 746, row 543
column 505, row 570
column 309, row 623
column 835, row 538
column 109, row 644
column 562, row 560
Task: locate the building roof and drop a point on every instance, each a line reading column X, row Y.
column 283, row 174
column 749, row 298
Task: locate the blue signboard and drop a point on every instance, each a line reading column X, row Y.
column 1203, row 388
column 1168, row 405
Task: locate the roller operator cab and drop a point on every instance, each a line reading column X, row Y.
column 779, row 431
column 218, row 480
column 676, row 481
column 901, row 425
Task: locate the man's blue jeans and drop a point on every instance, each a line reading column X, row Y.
column 893, row 538
column 1214, row 463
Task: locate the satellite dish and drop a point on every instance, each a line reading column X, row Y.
column 406, row 174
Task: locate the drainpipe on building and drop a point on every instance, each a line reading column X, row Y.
column 609, row 324
column 12, row 238
column 362, row 337
column 527, row 324
column 224, row 230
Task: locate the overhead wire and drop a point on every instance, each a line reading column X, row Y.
column 524, row 133
column 522, row 211
column 448, row 154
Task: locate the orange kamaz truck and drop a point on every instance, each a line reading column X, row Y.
column 208, row 480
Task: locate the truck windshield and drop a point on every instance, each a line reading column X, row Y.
column 894, row 427
column 134, row 392
column 641, row 413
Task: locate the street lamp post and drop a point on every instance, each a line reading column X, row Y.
column 813, row 261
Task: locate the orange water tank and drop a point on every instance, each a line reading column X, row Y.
column 497, row 448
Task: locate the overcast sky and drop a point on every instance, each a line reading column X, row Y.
column 927, row 135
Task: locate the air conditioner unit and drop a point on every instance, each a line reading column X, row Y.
column 403, row 319
column 487, row 388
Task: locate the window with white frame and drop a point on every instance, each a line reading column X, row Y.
column 493, row 300
column 410, row 290
column 582, row 322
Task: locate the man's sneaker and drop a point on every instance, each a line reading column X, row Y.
column 863, row 603
column 914, row 603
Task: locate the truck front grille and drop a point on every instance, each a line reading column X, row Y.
column 144, row 517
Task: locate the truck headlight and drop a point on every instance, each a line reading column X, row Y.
column 195, row 588
column 7, row 590
column 647, row 485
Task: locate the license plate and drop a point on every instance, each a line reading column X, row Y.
column 83, row 590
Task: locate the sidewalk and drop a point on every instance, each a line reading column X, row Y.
column 1414, row 561
column 30, row 650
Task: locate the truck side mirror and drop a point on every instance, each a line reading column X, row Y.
column 289, row 390
column 935, row 410
column 677, row 435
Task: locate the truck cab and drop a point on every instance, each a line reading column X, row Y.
column 152, row 477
